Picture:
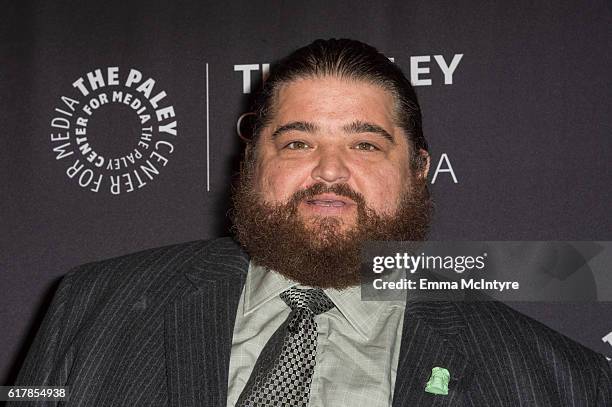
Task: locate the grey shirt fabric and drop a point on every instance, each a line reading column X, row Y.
column 358, row 342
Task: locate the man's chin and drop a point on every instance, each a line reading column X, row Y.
column 327, row 230
column 337, row 222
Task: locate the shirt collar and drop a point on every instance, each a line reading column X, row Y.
column 263, row 284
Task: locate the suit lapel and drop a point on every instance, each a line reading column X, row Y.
column 199, row 326
column 431, row 337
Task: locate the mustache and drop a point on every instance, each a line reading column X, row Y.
column 320, row 188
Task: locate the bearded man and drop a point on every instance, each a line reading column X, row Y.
column 338, row 157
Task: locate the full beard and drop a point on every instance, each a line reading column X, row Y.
column 319, row 253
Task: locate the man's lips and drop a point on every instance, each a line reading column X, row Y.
column 329, row 200
column 325, row 203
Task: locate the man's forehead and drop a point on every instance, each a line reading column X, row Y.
column 325, row 81
column 344, row 101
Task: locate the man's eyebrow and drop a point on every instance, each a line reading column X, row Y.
column 364, row 127
column 298, row 126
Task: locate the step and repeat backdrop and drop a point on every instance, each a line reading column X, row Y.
column 122, row 124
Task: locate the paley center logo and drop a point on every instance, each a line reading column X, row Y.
column 114, row 131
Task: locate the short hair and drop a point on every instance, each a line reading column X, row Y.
column 350, row 59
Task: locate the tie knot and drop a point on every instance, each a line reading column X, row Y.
column 313, row 299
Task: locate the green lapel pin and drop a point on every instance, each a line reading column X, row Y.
column 438, row 382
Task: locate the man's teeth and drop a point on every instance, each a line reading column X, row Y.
column 324, row 202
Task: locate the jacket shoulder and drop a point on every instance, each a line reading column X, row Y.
column 147, row 261
column 154, row 260
column 143, row 272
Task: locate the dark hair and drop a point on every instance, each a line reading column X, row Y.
column 349, row 59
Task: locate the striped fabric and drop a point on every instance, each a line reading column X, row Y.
column 154, row 328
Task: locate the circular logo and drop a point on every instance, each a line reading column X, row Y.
column 115, row 132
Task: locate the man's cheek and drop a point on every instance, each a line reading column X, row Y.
column 270, row 188
column 274, row 178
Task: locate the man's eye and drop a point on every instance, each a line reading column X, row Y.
column 366, row 146
column 296, row 145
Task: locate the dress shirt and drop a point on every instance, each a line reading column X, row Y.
column 358, row 342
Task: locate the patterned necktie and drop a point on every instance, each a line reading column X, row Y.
column 283, row 371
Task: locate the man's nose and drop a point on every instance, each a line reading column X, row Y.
column 331, row 167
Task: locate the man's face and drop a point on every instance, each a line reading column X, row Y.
column 333, row 131
column 331, row 171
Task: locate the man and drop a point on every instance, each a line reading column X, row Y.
column 338, row 157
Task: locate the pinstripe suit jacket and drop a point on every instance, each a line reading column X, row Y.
column 155, row 328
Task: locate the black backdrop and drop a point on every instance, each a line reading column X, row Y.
column 523, row 118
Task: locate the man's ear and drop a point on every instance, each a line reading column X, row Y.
column 424, row 160
column 248, row 151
